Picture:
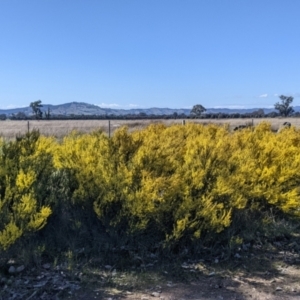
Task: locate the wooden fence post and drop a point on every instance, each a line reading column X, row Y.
column 109, row 128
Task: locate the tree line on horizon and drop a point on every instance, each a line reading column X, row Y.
column 198, row 111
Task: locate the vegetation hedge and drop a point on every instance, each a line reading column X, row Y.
column 158, row 188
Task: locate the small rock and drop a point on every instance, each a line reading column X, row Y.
column 244, row 247
column 11, row 261
column 170, row 284
column 184, row 266
column 155, row 294
column 144, row 298
column 107, row 267
column 12, row 270
column 212, row 274
column 63, row 274
column 237, row 255
column 278, row 289
column 46, row 266
column 20, row 269
column 40, row 284
column 3, row 280
column 149, row 265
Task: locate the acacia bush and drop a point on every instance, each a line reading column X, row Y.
column 26, row 192
column 158, row 188
column 176, row 185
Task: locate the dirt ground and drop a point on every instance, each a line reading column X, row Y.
column 282, row 282
column 272, row 273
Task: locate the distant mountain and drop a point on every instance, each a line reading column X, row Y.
column 81, row 108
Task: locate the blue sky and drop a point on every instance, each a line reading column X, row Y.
column 155, row 53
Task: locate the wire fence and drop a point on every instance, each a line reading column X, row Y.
column 59, row 128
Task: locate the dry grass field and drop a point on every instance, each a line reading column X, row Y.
column 9, row 129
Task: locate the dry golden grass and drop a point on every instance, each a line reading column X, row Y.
column 59, row 128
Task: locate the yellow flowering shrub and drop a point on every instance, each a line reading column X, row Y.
column 101, row 179
column 25, row 197
column 268, row 167
column 84, row 156
column 180, row 182
column 184, row 183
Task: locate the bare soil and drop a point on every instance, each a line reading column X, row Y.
column 260, row 277
column 271, row 272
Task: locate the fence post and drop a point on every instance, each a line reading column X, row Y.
column 183, row 122
column 109, row 128
column 28, row 126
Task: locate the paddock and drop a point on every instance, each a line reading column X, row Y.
column 60, row 128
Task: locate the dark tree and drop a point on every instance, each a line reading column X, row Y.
column 3, row 117
column 197, row 110
column 47, row 113
column 20, row 116
column 175, row 115
column 258, row 113
column 36, row 109
column 284, row 108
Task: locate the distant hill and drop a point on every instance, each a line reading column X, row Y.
column 81, row 108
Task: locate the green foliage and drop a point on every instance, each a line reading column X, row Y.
column 197, row 110
column 285, row 108
column 36, row 109
column 48, row 113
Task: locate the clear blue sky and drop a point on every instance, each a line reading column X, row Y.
column 155, row 53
